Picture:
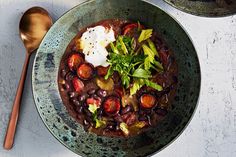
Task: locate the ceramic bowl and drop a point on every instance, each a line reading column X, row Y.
column 65, row 128
column 209, row 8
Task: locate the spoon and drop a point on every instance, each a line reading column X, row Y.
column 34, row 24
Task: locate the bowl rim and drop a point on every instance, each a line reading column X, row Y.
column 197, row 59
column 200, row 14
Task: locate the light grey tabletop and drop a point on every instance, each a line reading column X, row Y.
column 212, row 131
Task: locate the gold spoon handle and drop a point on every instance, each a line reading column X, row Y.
column 9, row 137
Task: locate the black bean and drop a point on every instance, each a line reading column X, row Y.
column 79, row 109
column 141, row 112
column 158, row 47
column 142, row 118
column 66, row 86
column 63, row 73
column 161, row 112
column 110, row 127
column 175, row 79
column 89, row 120
column 148, row 112
column 99, row 112
column 82, row 97
column 149, row 120
column 86, row 127
column 76, row 102
column 91, row 91
column 101, row 93
column 95, row 96
column 86, row 122
column 73, row 94
column 87, row 112
column 158, row 41
column 117, row 126
column 69, row 76
column 127, row 109
column 165, row 48
column 118, row 118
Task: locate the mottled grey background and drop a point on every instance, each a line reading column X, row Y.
column 212, row 131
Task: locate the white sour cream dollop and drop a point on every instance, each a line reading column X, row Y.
column 94, row 42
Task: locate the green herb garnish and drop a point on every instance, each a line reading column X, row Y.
column 134, row 66
column 98, row 122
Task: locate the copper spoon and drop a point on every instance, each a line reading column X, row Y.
column 34, row 24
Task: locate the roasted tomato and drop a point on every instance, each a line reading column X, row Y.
column 74, row 61
column 131, row 29
column 111, row 105
column 95, row 101
column 77, row 84
column 102, row 71
column 147, row 101
column 85, row 71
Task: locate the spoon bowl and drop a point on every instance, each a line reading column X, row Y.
column 34, row 24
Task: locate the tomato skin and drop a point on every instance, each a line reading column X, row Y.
column 77, row 84
column 85, row 71
column 101, row 70
column 93, row 101
column 111, row 105
column 130, row 27
column 147, row 101
column 74, row 61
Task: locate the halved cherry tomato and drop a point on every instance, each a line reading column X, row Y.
column 94, row 101
column 77, row 84
column 74, row 61
column 147, row 101
column 130, row 27
column 111, row 105
column 85, row 71
column 101, row 70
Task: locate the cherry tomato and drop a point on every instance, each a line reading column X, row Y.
column 131, row 28
column 102, row 71
column 111, row 105
column 85, row 71
column 74, row 61
column 77, row 84
column 147, row 101
column 93, row 101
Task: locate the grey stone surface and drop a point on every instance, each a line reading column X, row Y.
column 212, row 131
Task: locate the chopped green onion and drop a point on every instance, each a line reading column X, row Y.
column 152, row 47
column 123, row 47
column 141, row 73
column 153, row 85
column 99, row 123
column 145, row 34
column 114, row 49
column 124, row 128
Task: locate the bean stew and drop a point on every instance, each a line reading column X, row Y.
column 118, row 78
